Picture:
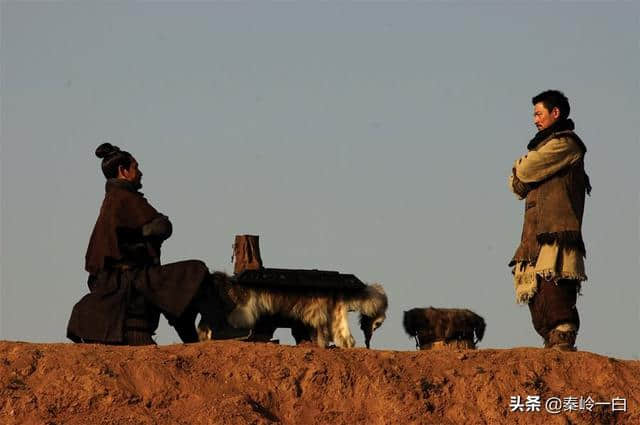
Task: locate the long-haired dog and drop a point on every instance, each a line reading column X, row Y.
column 428, row 325
column 323, row 312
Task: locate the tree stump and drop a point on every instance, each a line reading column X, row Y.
column 246, row 253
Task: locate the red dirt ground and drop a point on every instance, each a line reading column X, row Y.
column 229, row 382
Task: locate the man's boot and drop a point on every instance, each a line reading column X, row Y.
column 562, row 337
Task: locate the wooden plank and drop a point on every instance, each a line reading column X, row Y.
column 299, row 279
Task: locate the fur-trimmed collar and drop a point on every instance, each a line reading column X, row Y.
column 120, row 184
column 560, row 125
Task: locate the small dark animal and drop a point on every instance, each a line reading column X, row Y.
column 431, row 324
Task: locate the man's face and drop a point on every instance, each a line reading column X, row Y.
column 132, row 174
column 542, row 117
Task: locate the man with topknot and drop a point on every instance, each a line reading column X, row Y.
column 129, row 288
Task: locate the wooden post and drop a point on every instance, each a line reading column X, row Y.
column 246, row 253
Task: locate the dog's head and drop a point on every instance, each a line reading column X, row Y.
column 373, row 311
column 369, row 324
column 414, row 320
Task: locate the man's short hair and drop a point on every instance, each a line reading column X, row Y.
column 554, row 99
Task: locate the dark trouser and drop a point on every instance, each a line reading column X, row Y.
column 554, row 304
column 142, row 317
column 141, row 320
column 129, row 299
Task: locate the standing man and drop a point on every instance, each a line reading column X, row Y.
column 548, row 266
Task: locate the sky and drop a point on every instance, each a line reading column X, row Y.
column 368, row 137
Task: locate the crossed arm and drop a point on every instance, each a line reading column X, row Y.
column 160, row 228
column 540, row 164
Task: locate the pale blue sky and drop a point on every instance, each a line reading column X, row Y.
column 373, row 138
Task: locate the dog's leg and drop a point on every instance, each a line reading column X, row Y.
column 301, row 332
column 322, row 335
column 340, row 328
column 264, row 328
column 204, row 331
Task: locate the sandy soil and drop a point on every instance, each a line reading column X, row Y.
column 229, row 382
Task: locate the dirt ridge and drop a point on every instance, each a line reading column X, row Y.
column 228, row 382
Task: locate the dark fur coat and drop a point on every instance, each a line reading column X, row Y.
column 123, row 260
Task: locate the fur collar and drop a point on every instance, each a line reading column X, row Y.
column 120, row 184
column 560, row 125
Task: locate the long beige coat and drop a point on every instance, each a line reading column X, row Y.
column 554, row 261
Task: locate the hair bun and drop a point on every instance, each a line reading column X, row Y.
column 106, row 149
